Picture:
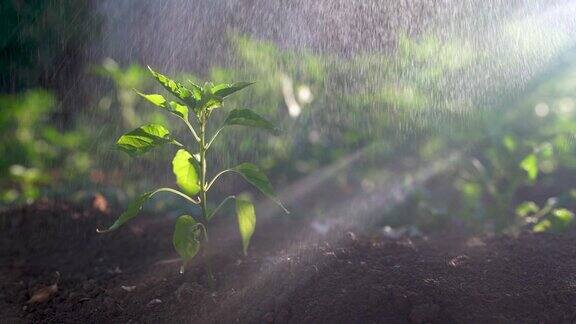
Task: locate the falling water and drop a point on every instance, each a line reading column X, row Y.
column 497, row 49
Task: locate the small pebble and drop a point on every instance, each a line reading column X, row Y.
column 154, row 302
column 458, row 261
column 128, row 288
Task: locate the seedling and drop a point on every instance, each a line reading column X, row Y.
column 190, row 165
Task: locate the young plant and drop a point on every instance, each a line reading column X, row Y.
column 190, row 165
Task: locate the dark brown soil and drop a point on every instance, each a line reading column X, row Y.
column 129, row 276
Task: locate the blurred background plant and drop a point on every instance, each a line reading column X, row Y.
column 35, row 154
column 356, row 121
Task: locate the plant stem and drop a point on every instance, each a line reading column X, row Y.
column 203, row 198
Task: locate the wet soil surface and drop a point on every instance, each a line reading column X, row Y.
column 130, row 276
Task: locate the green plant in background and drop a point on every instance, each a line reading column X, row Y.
column 190, row 165
column 546, row 218
column 490, row 178
column 124, row 100
column 31, row 148
column 523, row 146
column 522, row 150
column 343, row 104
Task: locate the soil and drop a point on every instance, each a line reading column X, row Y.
column 289, row 275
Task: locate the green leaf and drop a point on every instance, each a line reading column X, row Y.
column 178, row 109
column 526, row 208
column 542, row 226
column 530, row 165
column 172, row 106
column 563, row 215
column 246, row 117
column 155, row 99
column 186, row 238
column 186, row 170
column 144, row 138
column 257, row 178
column 246, row 221
column 509, row 143
column 213, row 103
column 196, row 90
column 223, row 90
column 209, row 100
column 197, row 96
column 133, row 208
column 176, row 88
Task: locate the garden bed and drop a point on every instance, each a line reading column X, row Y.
column 290, row 275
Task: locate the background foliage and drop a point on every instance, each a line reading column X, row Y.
column 515, row 161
